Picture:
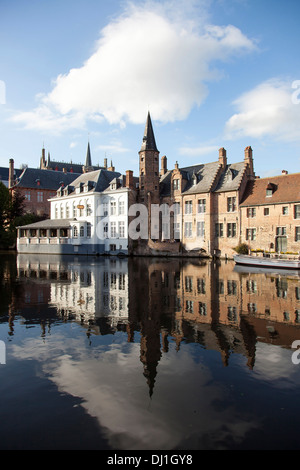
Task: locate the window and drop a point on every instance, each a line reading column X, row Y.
column 189, row 306
column 122, row 281
column 231, row 287
column 177, row 231
column 202, row 308
column 285, row 210
column 88, row 210
column 297, row 234
column 113, row 208
column 74, row 211
column 113, row 229
column 40, row 196
column 231, row 230
column 67, row 211
column 231, row 204
column 28, row 195
column 121, row 229
column 266, row 211
column 82, row 231
column 188, row 207
column 231, row 314
column 188, row 284
column 56, row 212
column 176, row 208
column 188, row 229
column 251, row 286
column 280, row 230
column 201, row 286
column 105, row 209
column 297, row 212
column 75, row 232
column 121, row 207
column 89, row 230
column 105, row 230
column 61, row 212
column 201, row 206
column 250, row 233
column 200, row 229
column 251, row 212
column 219, row 230
column 176, row 184
column 269, row 192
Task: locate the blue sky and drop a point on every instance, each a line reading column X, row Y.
column 212, row 73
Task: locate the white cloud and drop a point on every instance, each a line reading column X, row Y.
column 267, row 110
column 145, row 58
column 115, row 147
column 199, row 151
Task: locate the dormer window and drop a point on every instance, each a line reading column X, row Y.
column 176, row 184
column 271, row 188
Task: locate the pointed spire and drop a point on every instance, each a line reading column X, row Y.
column 88, row 160
column 149, row 139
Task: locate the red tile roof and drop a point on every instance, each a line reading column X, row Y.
column 286, row 188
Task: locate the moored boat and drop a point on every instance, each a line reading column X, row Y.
column 268, row 262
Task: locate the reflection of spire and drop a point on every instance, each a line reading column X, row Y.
column 150, row 357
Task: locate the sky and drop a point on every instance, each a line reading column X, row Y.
column 212, row 74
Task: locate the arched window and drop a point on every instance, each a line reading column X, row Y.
column 61, row 211
column 56, row 212
column 74, row 210
column 67, row 211
column 82, row 231
column 75, row 232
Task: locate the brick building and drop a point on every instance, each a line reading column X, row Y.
column 38, row 186
column 270, row 214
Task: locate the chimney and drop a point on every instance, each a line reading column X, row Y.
column 249, row 160
column 284, row 172
column 105, row 163
column 176, row 166
column 11, row 173
column 111, row 168
column 164, row 168
column 222, row 157
column 129, row 179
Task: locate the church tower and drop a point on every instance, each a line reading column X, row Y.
column 149, row 166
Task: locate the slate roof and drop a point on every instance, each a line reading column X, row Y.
column 231, row 179
column 48, row 179
column 4, row 173
column 49, row 223
column 286, row 189
column 200, row 177
column 149, row 139
column 100, row 180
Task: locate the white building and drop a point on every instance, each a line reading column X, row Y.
column 88, row 217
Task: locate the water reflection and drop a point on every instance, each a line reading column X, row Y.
column 161, row 333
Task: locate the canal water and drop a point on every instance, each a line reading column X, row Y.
column 144, row 353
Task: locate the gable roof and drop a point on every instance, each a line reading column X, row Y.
column 231, row 178
column 286, row 188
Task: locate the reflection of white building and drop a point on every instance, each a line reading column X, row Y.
column 85, row 291
column 88, row 217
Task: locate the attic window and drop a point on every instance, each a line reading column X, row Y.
column 270, row 190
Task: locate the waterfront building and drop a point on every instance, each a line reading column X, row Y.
column 201, row 210
column 89, row 216
column 270, row 214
